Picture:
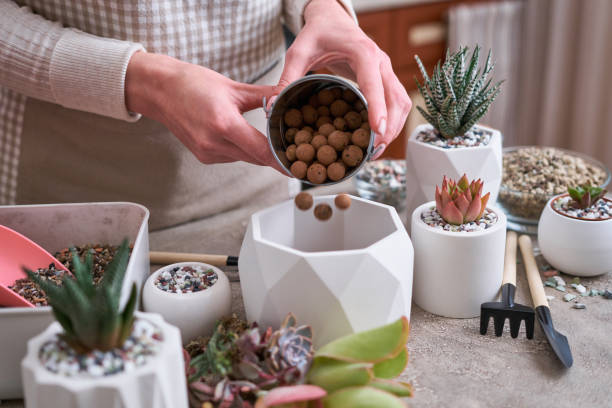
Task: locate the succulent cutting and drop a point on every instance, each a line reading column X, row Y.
column 585, row 195
column 456, row 97
column 461, row 202
column 90, row 313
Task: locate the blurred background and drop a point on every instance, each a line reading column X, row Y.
column 555, row 55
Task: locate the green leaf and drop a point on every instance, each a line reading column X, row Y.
column 575, row 193
column 397, row 388
column 115, row 271
column 83, row 273
column 362, row 397
column 373, row 346
column 127, row 317
column 427, row 117
column 332, row 375
column 422, row 69
column 393, row 367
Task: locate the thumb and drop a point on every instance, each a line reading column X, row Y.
column 250, row 97
column 296, row 65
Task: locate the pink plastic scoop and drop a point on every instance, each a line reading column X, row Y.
column 17, row 251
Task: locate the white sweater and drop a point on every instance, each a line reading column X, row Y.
column 74, row 53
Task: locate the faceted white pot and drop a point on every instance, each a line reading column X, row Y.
column 455, row 272
column 160, row 383
column 195, row 314
column 574, row 246
column 427, row 164
column 350, row 273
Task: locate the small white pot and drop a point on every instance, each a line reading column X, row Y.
column 455, row 272
column 195, row 314
column 350, row 273
column 160, row 383
column 574, row 246
column 427, row 164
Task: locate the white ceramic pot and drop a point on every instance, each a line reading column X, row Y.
column 160, row 383
column 427, row 164
column 574, row 246
column 455, row 272
column 195, row 314
column 57, row 226
column 350, row 273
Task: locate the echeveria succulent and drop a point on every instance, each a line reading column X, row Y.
column 586, row 195
column 461, row 202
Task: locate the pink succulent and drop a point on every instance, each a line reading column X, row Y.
column 461, row 202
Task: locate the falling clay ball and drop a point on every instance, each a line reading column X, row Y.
column 323, row 212
column 342, row 201
column 303, row 201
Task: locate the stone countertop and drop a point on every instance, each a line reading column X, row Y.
column 451, row 364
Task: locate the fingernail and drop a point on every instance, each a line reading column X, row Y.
column 382, row 127
column 378, row 151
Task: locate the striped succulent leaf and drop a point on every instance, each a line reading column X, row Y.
column 457, row 95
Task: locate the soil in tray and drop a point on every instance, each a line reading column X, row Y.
column 102, row 256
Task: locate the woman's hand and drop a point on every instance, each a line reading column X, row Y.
column 331, row 39
column 200, row 107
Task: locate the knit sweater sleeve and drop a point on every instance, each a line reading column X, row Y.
column 293, row 13
column 43, row 60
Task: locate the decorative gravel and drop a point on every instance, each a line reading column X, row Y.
column 145, row 341
column 476, row 136
column 186, row 279
column 383, row 181
column 31, row 291
column 600, row 210
column 433, row 218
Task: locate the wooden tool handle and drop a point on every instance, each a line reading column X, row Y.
column 510, row 259
column 165, row 258
column 538, row 296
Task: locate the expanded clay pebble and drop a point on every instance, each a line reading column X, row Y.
column 293, row 118
column 323, row 111
column 364, row 114
column 309, row 114
column 326, row 155
column 340, row 124
column 361, row 138
column 299, row 169
column 303, row 136
column 359, row 106
column 308, row 129
column 365, row 126
column 313, row 101
column 305, row 152
column 290, row 134
column 342, row 201
column 326, row 129
column 337, row 92
column 318, row 141
column 290, row 153
column 325, row 97
column 338, row 139
column 353, row 120
column 352, row 155
column 323, row 212
column 336, row 171
column 323, row 120
column 317, row 173
column 349, row 95
column 339, row 108
column 303, row 201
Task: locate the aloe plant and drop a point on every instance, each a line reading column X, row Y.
column 89, row 313
column 586, row 195
column 461, row 202
column 457, row 97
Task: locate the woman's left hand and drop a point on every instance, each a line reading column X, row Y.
column 331, row 39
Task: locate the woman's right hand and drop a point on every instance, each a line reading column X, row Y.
column 201, row 107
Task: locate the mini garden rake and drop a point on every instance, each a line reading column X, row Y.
column 507, row 308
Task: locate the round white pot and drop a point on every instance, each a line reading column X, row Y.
column 160, row 383
column 455, row 272
column 350, row 273
column 427, row 164
column 195, row 314
column 574, row 246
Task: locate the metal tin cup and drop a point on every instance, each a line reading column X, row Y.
column 297, row 94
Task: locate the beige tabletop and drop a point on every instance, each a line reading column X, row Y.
column 451, row 364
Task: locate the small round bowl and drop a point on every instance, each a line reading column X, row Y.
column 375, row 182
column 575, row 246
column 523, row 208
column 195, row 313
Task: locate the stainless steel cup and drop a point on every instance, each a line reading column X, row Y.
column 296, row 94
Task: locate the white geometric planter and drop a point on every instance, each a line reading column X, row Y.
column 160, row 383
column 573, row 246
column 427, row 164
column 455, row 272
column 348, row 274
column 195, row 314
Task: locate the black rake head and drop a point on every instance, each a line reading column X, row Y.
column 507, row 309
